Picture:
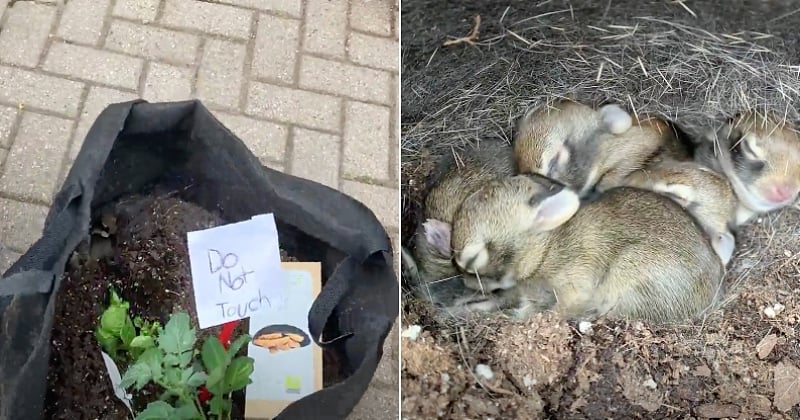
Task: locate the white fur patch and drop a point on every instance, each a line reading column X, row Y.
column 684, row 193
column 615, row 119
column 724, row 245
column 477, row 254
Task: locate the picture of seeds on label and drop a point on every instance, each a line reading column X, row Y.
column 280, row 337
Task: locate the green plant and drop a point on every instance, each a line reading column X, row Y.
column 117, row 331
column 174, row 366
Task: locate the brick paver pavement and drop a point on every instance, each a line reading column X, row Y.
column 309, row 85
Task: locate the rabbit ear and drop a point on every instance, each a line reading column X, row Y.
column 724, row 245
column 437, row 234
column 555, row 210
column 615, row 119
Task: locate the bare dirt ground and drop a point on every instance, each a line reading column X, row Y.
column 742, row 360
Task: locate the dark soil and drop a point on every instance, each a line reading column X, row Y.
column 139, row 249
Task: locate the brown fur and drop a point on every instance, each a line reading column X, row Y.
column 570, row 143
column 704, row 193
column 630, row 254
column 743, row 144
column 457, row 177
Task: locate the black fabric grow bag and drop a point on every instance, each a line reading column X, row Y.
column 134, row 144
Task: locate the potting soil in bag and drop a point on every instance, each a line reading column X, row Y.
column 144, row 161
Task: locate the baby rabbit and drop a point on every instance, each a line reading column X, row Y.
column 631, row 253
column 761, row 158
column 704, row 193
column 455, row 178
column 586, row 148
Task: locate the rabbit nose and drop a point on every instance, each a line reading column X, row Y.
column 781, row 193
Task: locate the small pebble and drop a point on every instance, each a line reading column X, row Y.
column 650, row 383
column 778, row 308
column 484, row 371
column 528, row 381
column 412, row 332
column 585, row 327
column 769, row 312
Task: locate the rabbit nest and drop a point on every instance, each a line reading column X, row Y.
column 694, row 63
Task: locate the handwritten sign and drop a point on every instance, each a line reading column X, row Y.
column 236, row 270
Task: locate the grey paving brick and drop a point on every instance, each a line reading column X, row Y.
column 7, row 256
column 366, row 141
column 33, row 164
column 3, row 6
column 208, row 17
column 23, row 87
column 377, row 403
column 371, row 16
column 25, row 33
column 3, row 154
column 151, row 42
column 273, row 165
column 326, row 27
column 294, row 106
column 142, row 10
column 277, row 44
column 82, row 20
column 293, row 8
column 387, row 372
column 316, row 157
column 97, row 100
column 345, row 79
column 21, row 223
column 383, row 201
column 94, row 65
column 373, row 51
column 166, row 82
column 265, row 139
column 7, row 117
column 219, row 80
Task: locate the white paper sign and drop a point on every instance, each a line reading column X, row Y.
column 236, row 270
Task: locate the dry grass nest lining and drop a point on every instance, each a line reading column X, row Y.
column 651, row 65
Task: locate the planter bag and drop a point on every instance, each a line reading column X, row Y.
column 182, row 146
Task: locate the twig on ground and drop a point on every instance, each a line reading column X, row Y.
column 471, row 37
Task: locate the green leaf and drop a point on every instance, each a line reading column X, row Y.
column 237, row 345
column 173, row 378
column 142, row 342
column 113, row 319
column 138, row 374
column 216, row 381
column 185, row 358
column 108, row 341
column 153, row 358
column 157, row 410
column 128, row 332
column 214, row 355
column 238, row 374
column 187, row 411
column 218, row 405
column 197, row 379
column 178, row 335
column 115, row 300
column 171, row 360
column 186, row 374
